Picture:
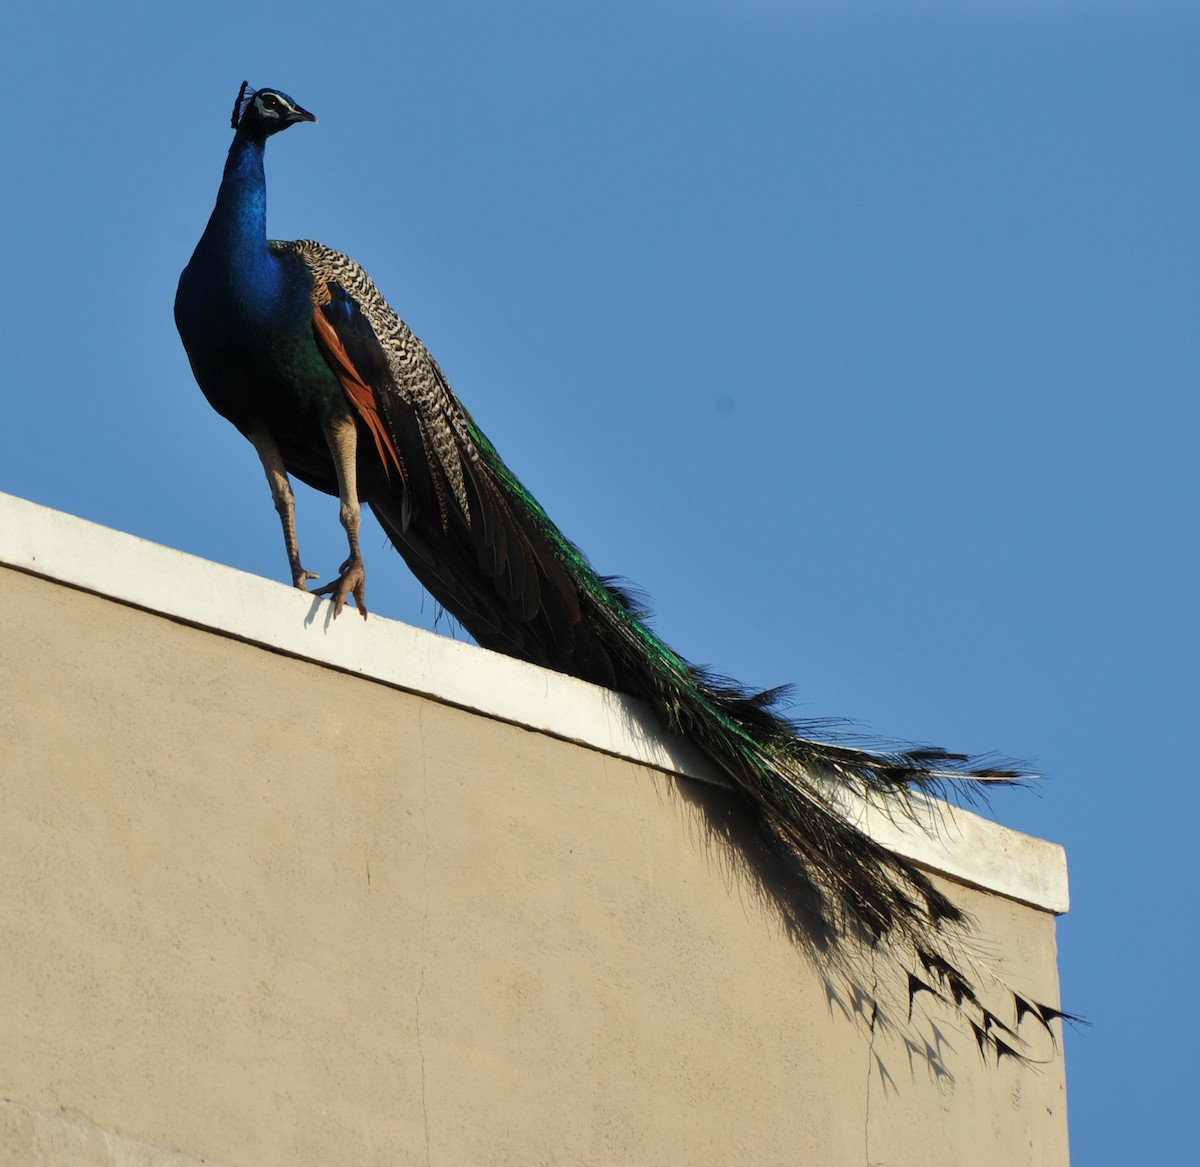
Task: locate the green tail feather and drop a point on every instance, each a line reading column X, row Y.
column 787, row 781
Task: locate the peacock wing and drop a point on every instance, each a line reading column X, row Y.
column 469, row 531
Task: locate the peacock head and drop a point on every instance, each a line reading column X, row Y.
column 259, row 113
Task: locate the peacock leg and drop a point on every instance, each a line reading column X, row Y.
column 342, row 435
column 285, row 502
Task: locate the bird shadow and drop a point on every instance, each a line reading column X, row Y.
column 843, row 956
column 314, row 612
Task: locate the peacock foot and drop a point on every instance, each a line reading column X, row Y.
column 300, row 577
column 351, row 582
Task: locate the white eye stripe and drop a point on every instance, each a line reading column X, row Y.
column 264, row 111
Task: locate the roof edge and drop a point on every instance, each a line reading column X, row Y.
column 130, row 570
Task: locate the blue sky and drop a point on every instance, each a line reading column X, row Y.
column 861, row 336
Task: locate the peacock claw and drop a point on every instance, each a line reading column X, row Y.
column 351, row 582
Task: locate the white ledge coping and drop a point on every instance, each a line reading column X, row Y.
column 229, row 602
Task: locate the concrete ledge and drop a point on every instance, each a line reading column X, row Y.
column 207, row 595
column 260, row 904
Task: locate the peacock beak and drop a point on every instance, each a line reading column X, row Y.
column 299, row 114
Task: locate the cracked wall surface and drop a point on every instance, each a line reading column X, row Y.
column 254, row 911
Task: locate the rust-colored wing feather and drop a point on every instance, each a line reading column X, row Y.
column 361, row 395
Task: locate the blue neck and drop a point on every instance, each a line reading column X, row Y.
column 235, row 239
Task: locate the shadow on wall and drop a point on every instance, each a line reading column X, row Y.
column 866, row 981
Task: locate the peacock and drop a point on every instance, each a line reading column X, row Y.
column 293, row 343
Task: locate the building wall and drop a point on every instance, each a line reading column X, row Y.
column 257, row 911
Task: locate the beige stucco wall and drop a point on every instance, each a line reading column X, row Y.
column 255, row 911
